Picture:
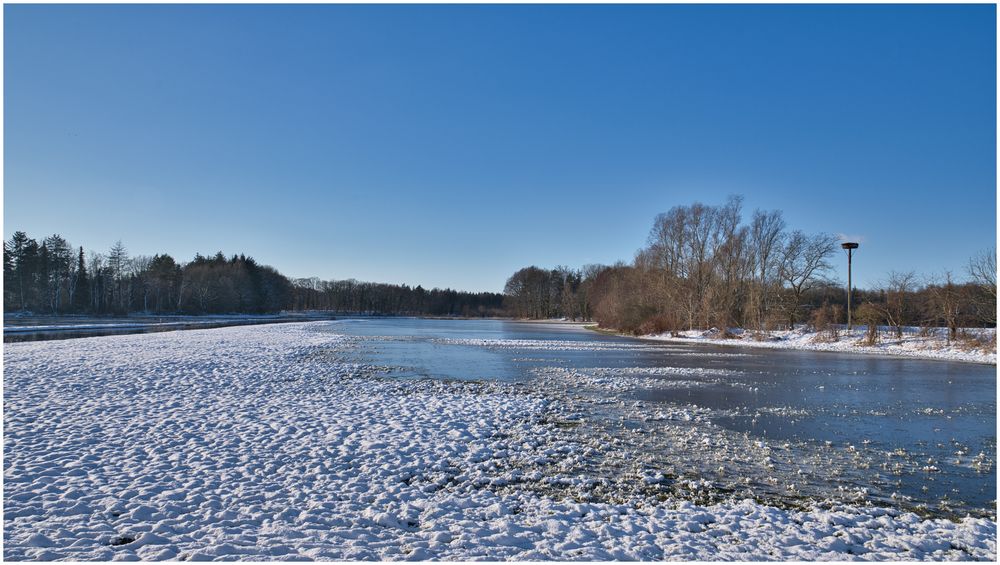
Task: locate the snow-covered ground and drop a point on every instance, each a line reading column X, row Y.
column 912, row 344
column 262, row 442
column 22, row 323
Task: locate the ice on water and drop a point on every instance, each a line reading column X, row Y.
column 264, row 442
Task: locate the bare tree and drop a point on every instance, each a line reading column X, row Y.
column 983, row 271
column 666, row 260
column 700, row 227
column 727, row 291
column 803, row 262
column 898, row 290
column 138, row 269
column 668, row 241
column 97, row 266
column 945, row 303
column 766, row 231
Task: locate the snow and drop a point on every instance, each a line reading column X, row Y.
column 912, row 344
column 567, row 345
column 24, row 324
column 263, row 443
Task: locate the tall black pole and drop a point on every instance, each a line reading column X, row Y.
column 849, row 289
column 849, row 246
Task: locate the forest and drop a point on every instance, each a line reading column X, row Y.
column 703, row 266
column 351, row 296
column 52, row 277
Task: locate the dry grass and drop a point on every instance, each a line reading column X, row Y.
column 985, row 342
column 825, row 337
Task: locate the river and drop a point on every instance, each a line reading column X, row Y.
column 788, row 427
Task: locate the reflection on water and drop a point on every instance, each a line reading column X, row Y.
column 920, row 434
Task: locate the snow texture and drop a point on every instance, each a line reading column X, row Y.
column 912, row 344
column 262, row 443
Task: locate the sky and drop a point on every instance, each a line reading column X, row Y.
column 452, row 145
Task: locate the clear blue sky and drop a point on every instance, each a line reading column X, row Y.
column 451, row 145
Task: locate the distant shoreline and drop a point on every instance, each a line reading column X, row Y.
column 932, row 348
column 20, row 327
column 45, row 328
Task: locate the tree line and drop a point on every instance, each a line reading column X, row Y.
column 355, row 297
column 52, row 277
column 703, row 266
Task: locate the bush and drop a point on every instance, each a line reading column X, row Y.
column 824, row 321
column 985, row 341
column 871, row 316
column 658, row 324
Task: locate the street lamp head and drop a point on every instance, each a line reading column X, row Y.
column 849, row 245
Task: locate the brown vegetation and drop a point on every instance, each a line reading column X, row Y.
column 703, row 268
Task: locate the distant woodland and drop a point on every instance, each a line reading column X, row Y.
column 52, row 277
column 703, row 266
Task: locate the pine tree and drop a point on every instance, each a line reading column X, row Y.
column 8, row 277
column 40, row 280
column 117, row 263
column 81, row 290
column 23, row 252
column 57, row 280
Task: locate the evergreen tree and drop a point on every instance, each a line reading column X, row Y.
column 24, row 256
column 117, row 263
column 9, row 276
column 164, row 276
column 81, row 288
column 59, row 257
column 39, row 279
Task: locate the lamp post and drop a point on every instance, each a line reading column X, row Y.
column 849, row 246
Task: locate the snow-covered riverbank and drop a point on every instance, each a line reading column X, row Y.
column 262, row 442
column 25, row 327
column 912, row 344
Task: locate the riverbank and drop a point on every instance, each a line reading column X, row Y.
column 977, row 346
column 21, row 327
column 264, row 442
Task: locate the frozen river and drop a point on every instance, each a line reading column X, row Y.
column 419, row 439
column 782, row 426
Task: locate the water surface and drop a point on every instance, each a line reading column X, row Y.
column 916, row 433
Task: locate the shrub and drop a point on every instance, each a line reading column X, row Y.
column 824, row 321
column 871, row 316
column 656, row 325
